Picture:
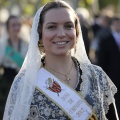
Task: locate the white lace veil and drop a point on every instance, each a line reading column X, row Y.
column 22, row 89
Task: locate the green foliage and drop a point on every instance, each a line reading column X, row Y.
column 28, row 9
column 85, row 3
column 45, row 1
column 89, row 2
column 4, row 3
column 30, row 6
column 103, row 3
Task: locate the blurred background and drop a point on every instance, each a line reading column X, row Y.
column 27, row 8
column 96, row 18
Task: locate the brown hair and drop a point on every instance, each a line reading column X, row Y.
column 52, row 5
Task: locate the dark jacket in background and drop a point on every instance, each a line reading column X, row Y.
column 109, row 59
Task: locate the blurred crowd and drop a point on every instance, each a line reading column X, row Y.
column 101, row 39
column 102, row 42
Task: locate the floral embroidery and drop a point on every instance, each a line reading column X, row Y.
column 42, row 106
column 94, row 85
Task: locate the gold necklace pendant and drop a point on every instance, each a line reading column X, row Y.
column 67, row 79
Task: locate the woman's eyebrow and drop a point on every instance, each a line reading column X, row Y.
column 56, row 23
column 51, row 23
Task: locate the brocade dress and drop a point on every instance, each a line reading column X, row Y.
column 98, row 92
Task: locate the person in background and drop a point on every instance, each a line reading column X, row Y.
column 109, row 56
column 12, row 52
column 96, row 24
column 102, row 33
column 57, row 80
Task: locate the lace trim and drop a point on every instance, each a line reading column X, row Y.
column 85, row 84
column 103, row 89
column 11, row 101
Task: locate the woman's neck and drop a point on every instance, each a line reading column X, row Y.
column 14, row 38
column 15, row 42
column 59, row 63
column 63, row 68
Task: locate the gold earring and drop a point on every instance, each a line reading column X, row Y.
column 41, row 46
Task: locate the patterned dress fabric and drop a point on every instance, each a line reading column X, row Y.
column 42, row 108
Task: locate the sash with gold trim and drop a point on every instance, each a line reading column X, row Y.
column 64, row 96
column 14, row 56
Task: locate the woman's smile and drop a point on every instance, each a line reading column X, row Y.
column 61, row 42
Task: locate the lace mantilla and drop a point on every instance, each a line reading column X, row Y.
column 97, row 89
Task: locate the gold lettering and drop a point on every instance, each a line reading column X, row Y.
column 80, row 112
column 70, row 101
column 74, row 108
column 65, row 96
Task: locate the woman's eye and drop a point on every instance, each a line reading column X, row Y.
column 51, row 27
column 69, row 26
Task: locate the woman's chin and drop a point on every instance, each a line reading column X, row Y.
column 62, row 53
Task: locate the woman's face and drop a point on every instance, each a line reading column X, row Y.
column 14, row 26
column 58, row 32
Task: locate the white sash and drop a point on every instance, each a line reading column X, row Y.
column 65, row 97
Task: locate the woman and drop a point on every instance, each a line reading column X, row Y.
column 13, row 48
column 63, row 84
column 12, row 52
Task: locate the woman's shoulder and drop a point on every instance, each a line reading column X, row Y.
column 99, row 75
column 95, row 71
column 91, row 67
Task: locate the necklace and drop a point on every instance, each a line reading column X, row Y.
column 66, row 75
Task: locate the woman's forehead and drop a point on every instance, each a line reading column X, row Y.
column 59, row 14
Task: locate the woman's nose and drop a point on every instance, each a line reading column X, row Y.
column 61, row 32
